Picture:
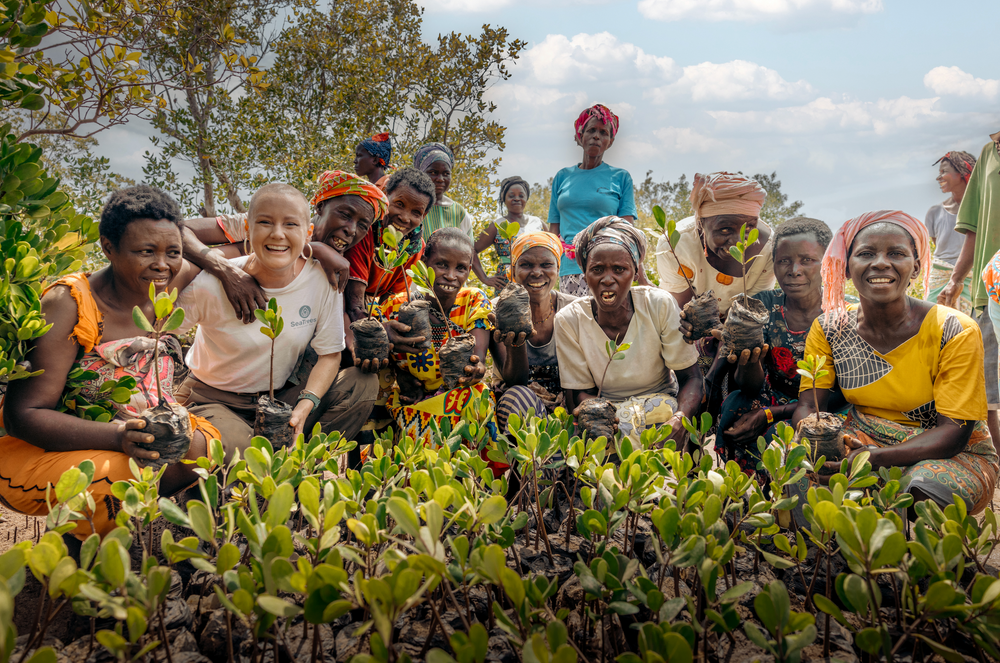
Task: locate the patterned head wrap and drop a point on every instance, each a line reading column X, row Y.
column 962, row 162
column 336, row 183
column 726, row 193
column 835, row 260
column 610, row 230
column 513, row 180
column 379, row 147
column 531, row 240
column 431, row 153
column 597, row 112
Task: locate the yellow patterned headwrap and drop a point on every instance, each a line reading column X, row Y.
column 531, row 240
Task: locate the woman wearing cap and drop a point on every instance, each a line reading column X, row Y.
column 438, row 161
column 528, row 365
column 371, row 159
column 911, row 370
column 954, row 169
column 588, row 191
column 514, row 194
column 644, row 389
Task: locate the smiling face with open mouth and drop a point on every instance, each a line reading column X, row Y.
column 149, row 251
column 452, row 264
column 882, row 262
column 537, row 270
column 610, row 273
column 407, row 208
column 342, row 221
column 279, row 229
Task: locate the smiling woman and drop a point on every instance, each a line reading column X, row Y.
column 94, row 339
column 911, row 370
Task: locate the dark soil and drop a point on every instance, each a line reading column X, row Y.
column 370, row 340
column 597, row 417
column 744, row 328
column 417, row 314
column 825, row 435
column 272, row 422
column 455, row 354
column 703, row 314
column 513, row 310
column 170, row 426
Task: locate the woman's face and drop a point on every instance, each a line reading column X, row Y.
column 882, row 263
column 723, row 231
column 515, row 199
column 451, row 263
column 342, row 221
column 150, row 251
column 279, row 230
column 948, row 178
column 537, row 270
column 797, row 262
column 610, row 273
column 596, row 138
column 364, row 162
column 407, row 208
column 440, row 174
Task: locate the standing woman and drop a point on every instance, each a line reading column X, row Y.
column 437, row 160
column 371, row 159
column 911, row 370
column 514, row 194
column 588, row 191
column 953, row 178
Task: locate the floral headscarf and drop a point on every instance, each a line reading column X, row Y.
column 962, row 162
column 610, row 230
column 336, row 183
column 598, row 112
column 380, row 147
column 432, row 153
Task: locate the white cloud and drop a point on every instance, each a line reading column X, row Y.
column 952, row 80
column 752, row 10
column 686, row 140
column 587, row 58
column 729, row 81
column 884, row 116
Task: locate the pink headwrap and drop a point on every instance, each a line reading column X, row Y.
column 726, row 193
column 597, row 112
column 835, row 260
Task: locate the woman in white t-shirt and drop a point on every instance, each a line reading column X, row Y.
column 643, row 386
column 230, row 361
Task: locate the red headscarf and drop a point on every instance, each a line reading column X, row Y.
column 336, row 183
column 962, row 162
column 834, row 269
column 597, row 112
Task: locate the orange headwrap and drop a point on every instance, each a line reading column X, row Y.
column 531, row 240
column 336, row 183
column 834, row 269
column 726, row 193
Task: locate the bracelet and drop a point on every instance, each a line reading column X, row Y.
column 305, row 395
column 769, row 415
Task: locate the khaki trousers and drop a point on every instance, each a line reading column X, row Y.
column 345, row 407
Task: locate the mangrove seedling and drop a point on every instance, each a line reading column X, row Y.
column 168, row 423
column 744, row 328
column 272, row 415
column 371, row 342
column 824, row 432
column 597, row 415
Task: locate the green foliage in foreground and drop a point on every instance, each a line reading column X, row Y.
column 290, row 547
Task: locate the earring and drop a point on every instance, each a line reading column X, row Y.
column 310, row 251
column 246, row 246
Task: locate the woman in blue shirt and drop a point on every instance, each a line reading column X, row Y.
column 588, row 191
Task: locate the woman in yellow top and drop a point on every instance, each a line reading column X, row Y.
column 911, row 370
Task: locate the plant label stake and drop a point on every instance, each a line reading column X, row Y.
column 168, row 423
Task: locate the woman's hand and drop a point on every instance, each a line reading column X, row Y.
column 337, row 269
column 371, row 365
column 411, row 390
column 678, row 433
column 748, row 427
column 854, row 446
column 132, row 442
column 474, row 372
column 510, row 339
column 496, row 282
column 300, row 413
column 614, row 425
column 550, row 401
column 242, row 291
column 747, row 356
column 395, row 329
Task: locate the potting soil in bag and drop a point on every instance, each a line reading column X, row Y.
column 272, row 422
column 370, row 340
column 744, row 328
column 170, row 426
column 825, row 436
column 513, row 311
column 454, row 356
column 417, row 314
column 702, row 312
column 597, row 416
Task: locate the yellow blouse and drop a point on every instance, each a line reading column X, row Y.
column 938, row 370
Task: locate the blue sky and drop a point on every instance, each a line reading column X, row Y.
column 850, row 101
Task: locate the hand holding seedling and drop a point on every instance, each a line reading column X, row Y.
column 739, row 253
column 510, row 339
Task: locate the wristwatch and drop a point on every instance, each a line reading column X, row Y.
column 306, row 395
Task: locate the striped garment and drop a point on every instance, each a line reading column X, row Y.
column 448, row 214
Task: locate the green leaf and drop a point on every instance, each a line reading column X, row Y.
column 736, row 254
column 227, row 558
column 201, row 520
column 278, row 607
column 139, row 318
column 280, row 505
column 736, row 592
column 946, row 653
column 175, row 320
column 492, row 509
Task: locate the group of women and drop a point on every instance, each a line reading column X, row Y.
column 906, row 375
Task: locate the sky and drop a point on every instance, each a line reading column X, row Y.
column 849, row 101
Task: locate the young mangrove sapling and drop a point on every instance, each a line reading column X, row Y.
column 513, row 307
column 597, row 415
column 456, row 351
column 744, row 328
column 821, row 429
column 273, row 416
column 370, row 339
